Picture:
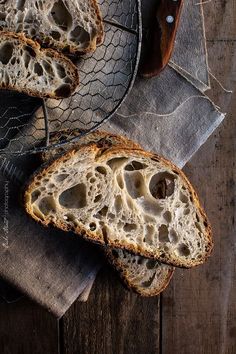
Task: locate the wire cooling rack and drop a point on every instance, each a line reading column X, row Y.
column 106, row 78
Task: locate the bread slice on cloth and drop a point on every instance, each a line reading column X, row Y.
column 124, row 198
column 144, row 276
column 69, row 25
column 25, row 67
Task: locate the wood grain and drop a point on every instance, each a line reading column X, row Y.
column 199, row 308
column 25, row 328
column 113, row 321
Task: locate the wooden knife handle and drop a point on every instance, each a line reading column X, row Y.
column 161, row 37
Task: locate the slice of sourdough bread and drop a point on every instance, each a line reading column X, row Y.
column 27, row 68
column 144, row 276
column 124, row 198
column 69, row 25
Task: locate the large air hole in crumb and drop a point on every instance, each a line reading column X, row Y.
column 162, row 185
column 167, row 216
column 92, row 226
column 163, row 233
column 101, row 170
column 61, row 177
column 135, row 165
column 130, row 227
column 74, row 197
column 183, row 198
column 141, row 260
column 97, row 198
column 34, row 196
column 63, row 91
column 186, row 211
column 173, row 237
column 135, row 184
column 101, row 213
column 61, row 15
column 79, row 35
column 61, row 72
column 6, row 51
column 13, row 61
column 30, row 51
column 26, row 58
column 47, row 67
column 111, row 216
column 183, row 250
column 55, row 35
column 47, row 205
column 151, row 263
column 117, row 162
column 32, row 32
column 38, row 69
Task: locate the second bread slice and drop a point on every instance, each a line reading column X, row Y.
column 25, row 67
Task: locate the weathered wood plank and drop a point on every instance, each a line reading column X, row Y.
column 199, row 307
column 113, row 321
column 25, row 328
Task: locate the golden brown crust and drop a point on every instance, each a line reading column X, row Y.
column 37, row 48
column 100, row 36
column 93, row 236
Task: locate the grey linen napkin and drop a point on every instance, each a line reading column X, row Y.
column 168, row 115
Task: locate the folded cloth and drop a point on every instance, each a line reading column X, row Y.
column 190, row 55
column 51, row 267
column 168, row 114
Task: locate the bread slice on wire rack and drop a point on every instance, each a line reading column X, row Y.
column 72, row 26
column 26, row 67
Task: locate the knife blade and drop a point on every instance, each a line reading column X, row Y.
column 160, row 37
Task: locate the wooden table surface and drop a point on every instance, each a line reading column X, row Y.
column 197, row 313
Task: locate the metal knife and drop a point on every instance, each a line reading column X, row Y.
column 160, row 37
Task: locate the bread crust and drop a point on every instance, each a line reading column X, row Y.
column 98, row 238
column 40, row 51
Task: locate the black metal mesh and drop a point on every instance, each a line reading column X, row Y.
column 106, row 77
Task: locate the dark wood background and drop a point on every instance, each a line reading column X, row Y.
column 197, row 313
